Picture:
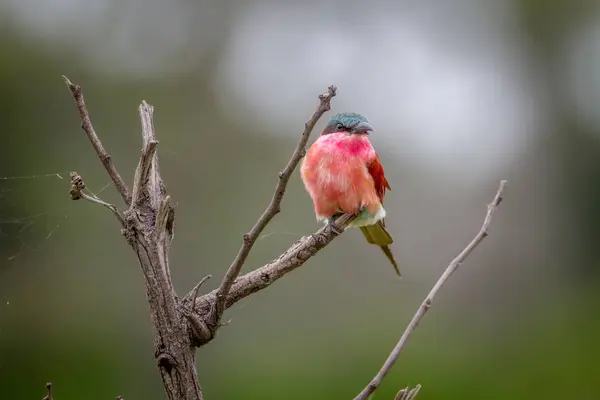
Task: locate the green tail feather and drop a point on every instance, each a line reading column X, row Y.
column 378, row 235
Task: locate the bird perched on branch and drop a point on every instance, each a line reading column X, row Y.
column 342, row 174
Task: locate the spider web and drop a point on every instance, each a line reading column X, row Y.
column 21, row 231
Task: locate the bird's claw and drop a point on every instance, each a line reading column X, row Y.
column 334, row 227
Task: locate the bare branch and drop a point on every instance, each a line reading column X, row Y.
column 296, row 255
column 148, row 228
column 453, row 266
column 196, row 290
column 143, row 169
column 147, row 159
column 48, row 395
column 77, row 193
column 273, row 208
column 87, row 126
column 407, row 394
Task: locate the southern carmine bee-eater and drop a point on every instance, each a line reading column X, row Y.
column 342, row 174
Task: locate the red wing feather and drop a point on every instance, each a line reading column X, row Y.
column 381, row 184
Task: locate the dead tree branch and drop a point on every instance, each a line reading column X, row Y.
column 178, row 326
column 272, row 209
column 77, row 192
column 86, row 124
column 407, row 394
column 148, row 228
column 296, row 255
column 452, row 267
column 48, row 395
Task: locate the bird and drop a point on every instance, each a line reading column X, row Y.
column 342, row 173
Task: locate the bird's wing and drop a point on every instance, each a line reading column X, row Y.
column 381, row 184
column 377, row 234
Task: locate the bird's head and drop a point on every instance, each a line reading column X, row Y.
column 348, row 122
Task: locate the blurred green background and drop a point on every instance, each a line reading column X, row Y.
column 462, row 93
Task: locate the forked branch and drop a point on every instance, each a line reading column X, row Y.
column 148, row 227
column 453, row 266
column 272, row 209
column 148, row 159
column 86, row 124
column 407, row 394
column 296, row 255
column 78, row 192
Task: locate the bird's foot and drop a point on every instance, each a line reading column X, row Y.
column 335, row 227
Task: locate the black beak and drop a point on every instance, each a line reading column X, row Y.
column 362, row 127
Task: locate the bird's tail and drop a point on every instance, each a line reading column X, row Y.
column 377, row 234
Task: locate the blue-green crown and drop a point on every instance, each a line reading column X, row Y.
column 348, row 122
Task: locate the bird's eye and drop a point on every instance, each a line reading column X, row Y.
column 339, row 127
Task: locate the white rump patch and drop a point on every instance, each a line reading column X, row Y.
column 365, row 218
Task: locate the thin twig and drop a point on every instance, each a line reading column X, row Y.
column 111, row 207
column 197, row 289
column 273, row 208
column 453, row 266
column 77, row 192
column 87, row 126
column 407, row 394
column 48, row 395
column 200, row 330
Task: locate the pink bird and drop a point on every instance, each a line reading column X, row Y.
column 342, row 174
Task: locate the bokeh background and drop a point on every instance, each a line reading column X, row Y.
column 462, row 93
